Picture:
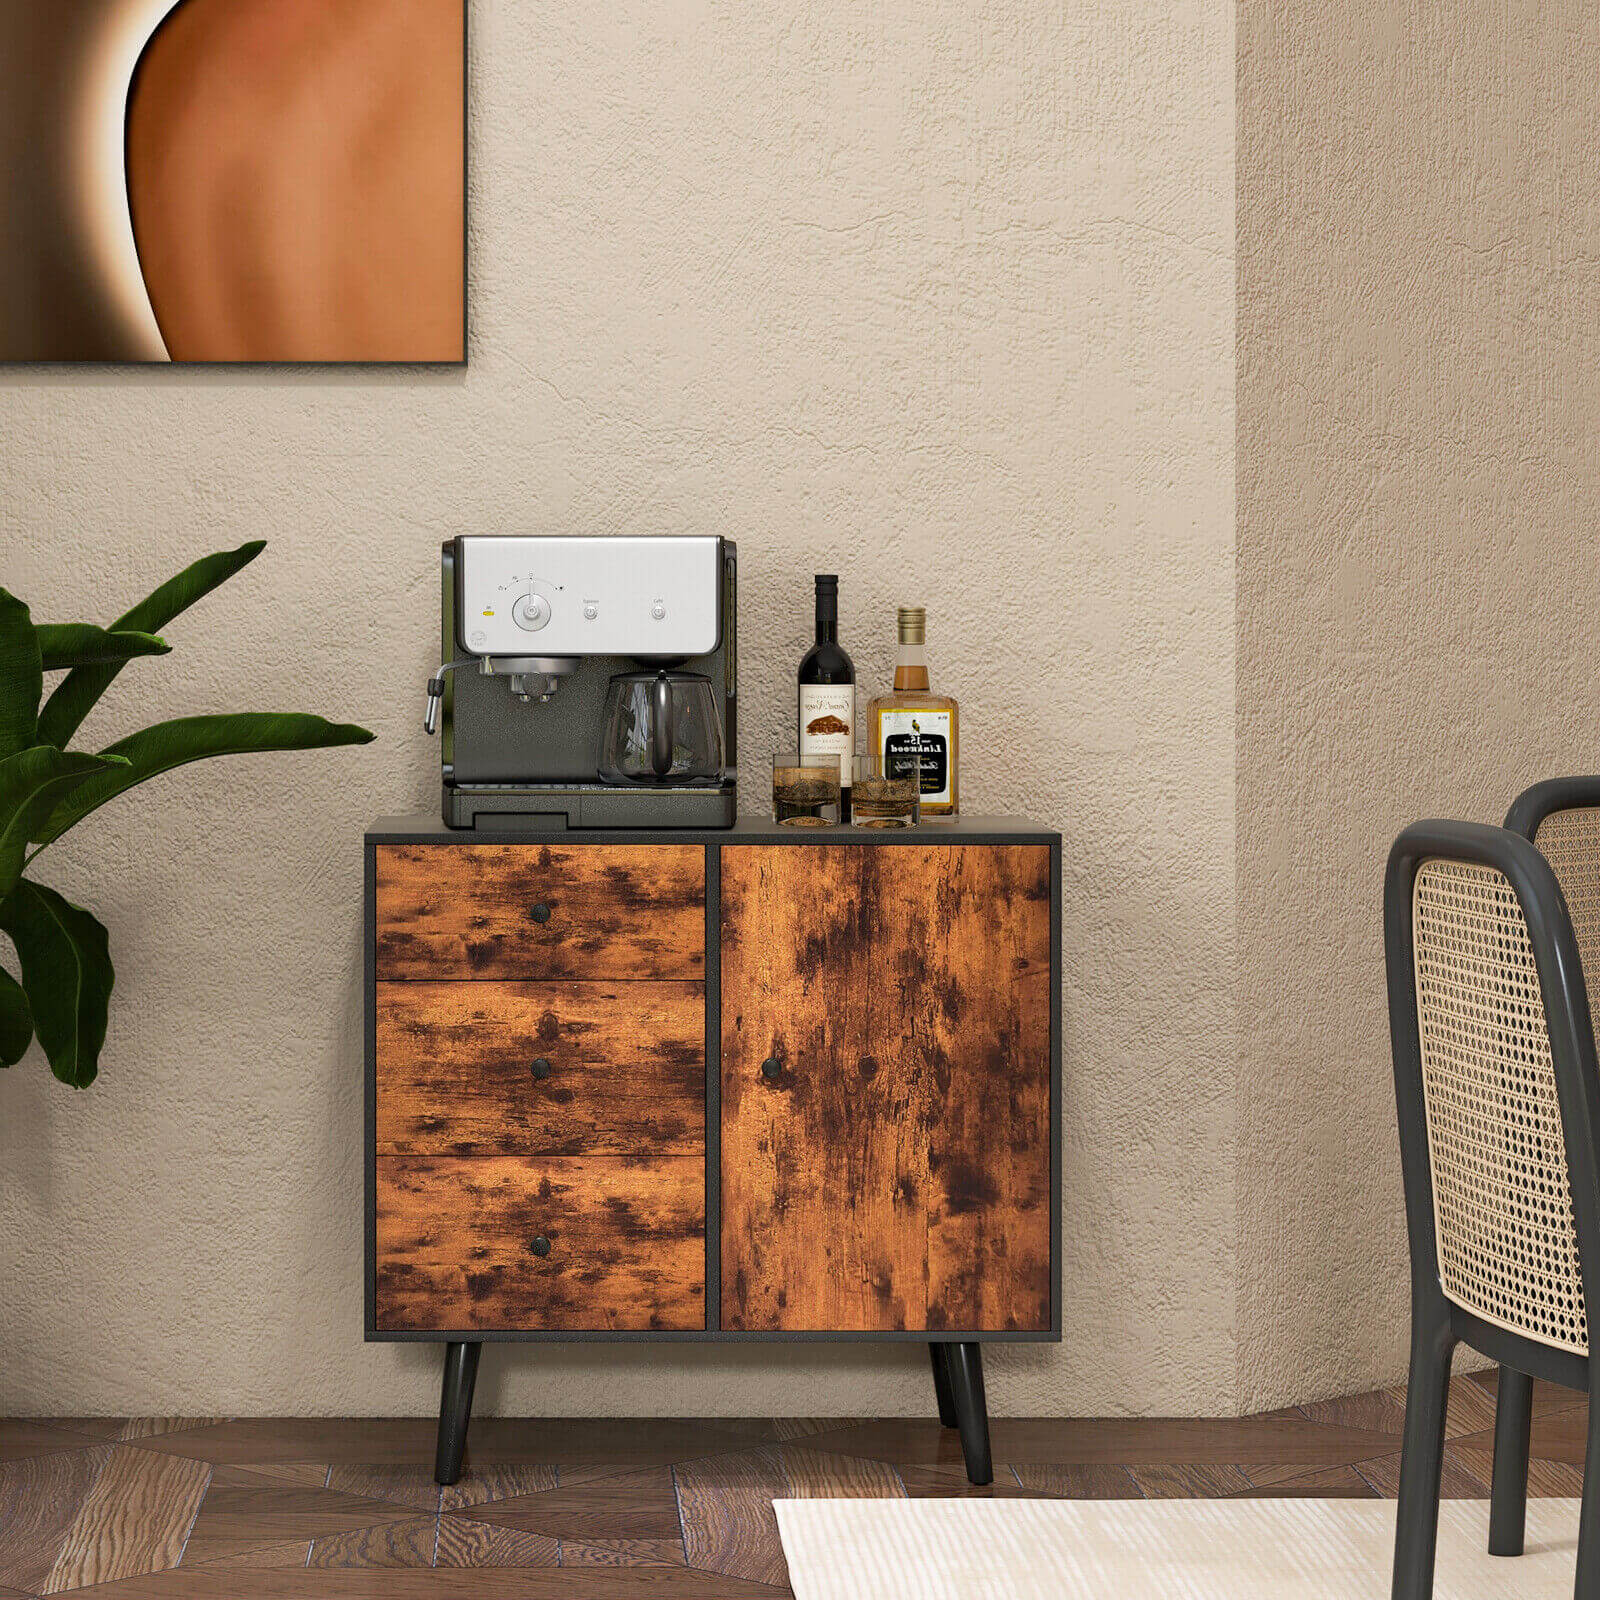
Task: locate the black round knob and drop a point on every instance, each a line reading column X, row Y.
column 541, row 912
column 771, row 1068
column 540, row 1068
column 541, row 1246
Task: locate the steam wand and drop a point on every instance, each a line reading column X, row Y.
column 430, row 720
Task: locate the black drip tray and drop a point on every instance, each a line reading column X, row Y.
column 487, row 807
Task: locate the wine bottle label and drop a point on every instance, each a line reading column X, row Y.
column 919, row 741
column 828, row 722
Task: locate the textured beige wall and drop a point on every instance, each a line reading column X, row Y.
column 1419, row 374
column 940, row 297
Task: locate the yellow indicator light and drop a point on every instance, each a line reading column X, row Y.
column 488, row 613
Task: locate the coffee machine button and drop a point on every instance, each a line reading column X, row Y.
column 590, row 610
column 531, row 612
column 659, row 611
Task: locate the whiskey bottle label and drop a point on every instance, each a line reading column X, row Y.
column 828, row 722
column 919, row 741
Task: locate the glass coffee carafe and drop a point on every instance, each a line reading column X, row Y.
column 661, row 728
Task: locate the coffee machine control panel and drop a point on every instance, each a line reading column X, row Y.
column 578, row 596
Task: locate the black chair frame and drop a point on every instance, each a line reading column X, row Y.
column 1438, row 1324
column 1513, row 1416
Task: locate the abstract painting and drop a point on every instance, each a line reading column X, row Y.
column 233, row 180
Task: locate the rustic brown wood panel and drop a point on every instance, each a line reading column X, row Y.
column 455, row 1243
column 626, row 1068
column 468, row 911
column 895, row 1175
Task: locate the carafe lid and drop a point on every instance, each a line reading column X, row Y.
column 651, row 674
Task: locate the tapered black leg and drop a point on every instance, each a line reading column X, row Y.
column 964, row 1369
column 1587, row 1584
column 941, row 1384
column 455, row 1408
column 1422, row 1458
column 1513, row 1421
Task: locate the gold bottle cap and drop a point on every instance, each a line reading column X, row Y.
column 913, row 624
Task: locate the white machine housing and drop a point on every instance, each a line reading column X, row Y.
column 582, row 596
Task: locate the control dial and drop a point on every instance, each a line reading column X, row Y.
column 531, row 612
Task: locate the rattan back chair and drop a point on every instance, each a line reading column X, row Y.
column 1561, row 817
column 1498, row 1100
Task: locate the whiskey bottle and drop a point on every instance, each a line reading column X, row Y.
column 914, row 730
column 828, row 693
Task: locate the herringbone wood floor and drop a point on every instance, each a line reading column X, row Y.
column 345, row 1509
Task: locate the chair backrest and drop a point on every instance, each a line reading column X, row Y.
column 1495, row 1081
column 1562, row 817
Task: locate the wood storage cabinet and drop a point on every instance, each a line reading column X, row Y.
column 752, row 1085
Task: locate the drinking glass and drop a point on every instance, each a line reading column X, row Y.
column 880, row 799
column 805, row 790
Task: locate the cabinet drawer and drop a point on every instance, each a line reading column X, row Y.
column 540, row 911
column 541, row 1068
column 458, row 1240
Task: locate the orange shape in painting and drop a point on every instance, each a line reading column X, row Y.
column 296, row 183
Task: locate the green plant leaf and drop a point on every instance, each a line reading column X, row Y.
column 21, row 677
column 75, row 696
column 16, row 1021
column 175, row 744
column 81, row 644
column 67, row 975
column 32, row 784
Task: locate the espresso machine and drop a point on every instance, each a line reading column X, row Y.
column 587, row 682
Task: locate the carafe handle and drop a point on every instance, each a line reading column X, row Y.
column 661, row 729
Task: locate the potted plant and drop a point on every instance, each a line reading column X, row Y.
column 61, row 987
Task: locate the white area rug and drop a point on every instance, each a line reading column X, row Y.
column 1161, row 1549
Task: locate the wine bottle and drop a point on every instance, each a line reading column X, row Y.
column 827, row 682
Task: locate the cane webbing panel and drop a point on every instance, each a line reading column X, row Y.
column 1501, row 1196
column 1570, row 842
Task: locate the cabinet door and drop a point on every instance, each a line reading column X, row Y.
column 886, row 1087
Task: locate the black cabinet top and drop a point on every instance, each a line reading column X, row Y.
column 428, row 829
